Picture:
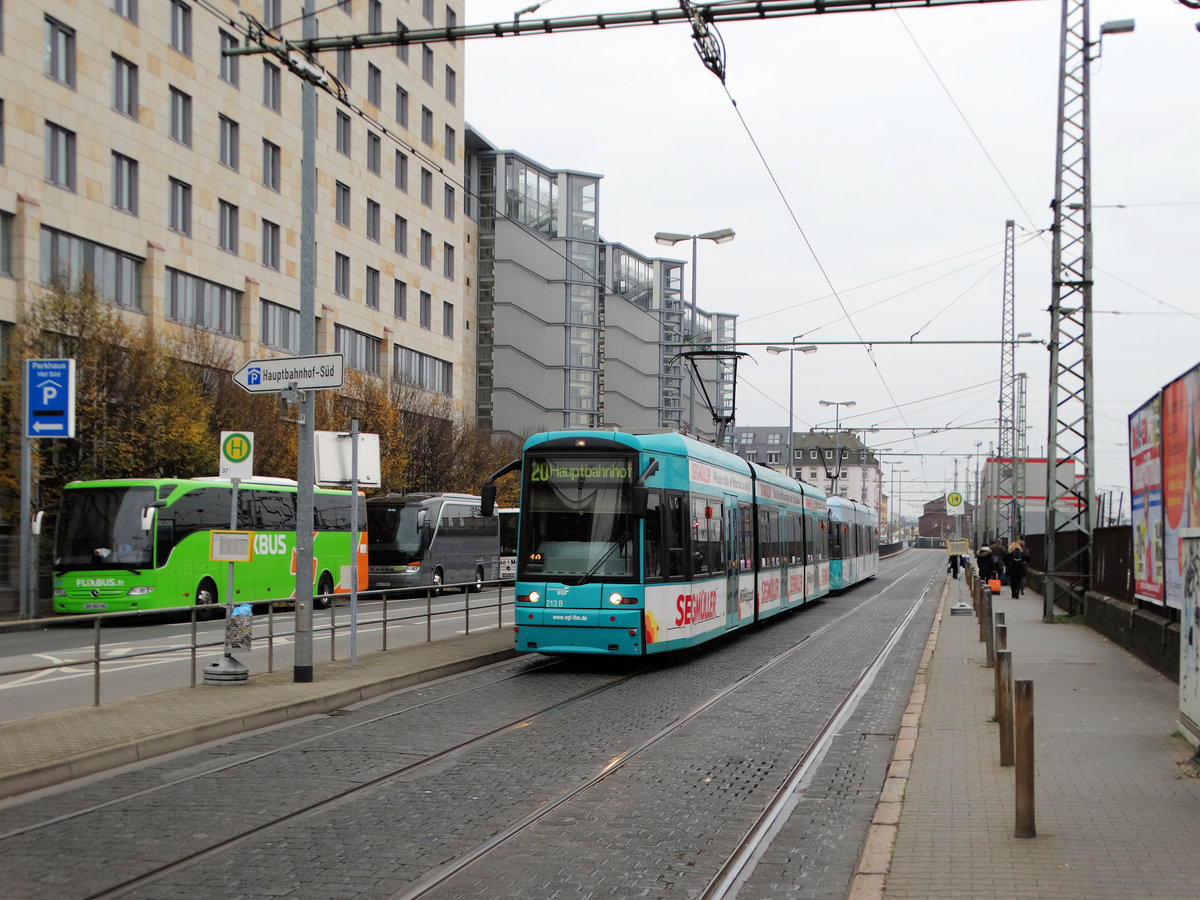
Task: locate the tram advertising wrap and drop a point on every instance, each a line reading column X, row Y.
column 638, row 544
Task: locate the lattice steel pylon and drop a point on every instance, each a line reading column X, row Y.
column 1070, row 472
column 1006, row 497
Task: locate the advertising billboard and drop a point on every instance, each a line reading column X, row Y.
column 1145, row 480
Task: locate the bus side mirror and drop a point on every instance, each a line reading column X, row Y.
column 148, row 514
column 422, row 515
column 35, row 525
column 639, row 500
column 487, row 500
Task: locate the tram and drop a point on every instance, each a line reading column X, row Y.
column 637, row 544
column 853, row 542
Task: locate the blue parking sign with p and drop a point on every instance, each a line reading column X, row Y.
column 254, row 375
column 50, row 398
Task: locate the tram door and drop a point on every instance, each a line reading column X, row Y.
column 732, row 560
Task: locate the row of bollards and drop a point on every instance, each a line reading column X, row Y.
column 1014, row 706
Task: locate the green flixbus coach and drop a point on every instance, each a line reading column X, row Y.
column 145, row 543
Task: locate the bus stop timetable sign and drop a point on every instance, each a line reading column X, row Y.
column 50, row 398
column 304, row 372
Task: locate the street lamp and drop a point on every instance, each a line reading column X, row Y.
column 837, row 440
column 792, row 349
column 670, row 239
column 896, row 500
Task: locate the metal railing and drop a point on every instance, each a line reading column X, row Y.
column 326, row 622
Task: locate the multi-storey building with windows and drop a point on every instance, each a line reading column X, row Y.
column 132, row 150
column 574, row 330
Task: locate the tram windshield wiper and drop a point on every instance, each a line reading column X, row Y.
column 619, row 542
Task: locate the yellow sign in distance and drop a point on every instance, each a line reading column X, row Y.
column 237, row 454
column 954, row 498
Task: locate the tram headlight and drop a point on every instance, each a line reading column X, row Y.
column 531, row 597
column 616, row 599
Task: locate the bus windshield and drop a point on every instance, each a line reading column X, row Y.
column 101, row 528
column 393, row 537
column 576, row 520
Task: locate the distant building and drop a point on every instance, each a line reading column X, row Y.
column 818, row 457
column 576, row 331
column 936, row 521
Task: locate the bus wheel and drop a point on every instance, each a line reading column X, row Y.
column 437, row 581
column 324, row 586
column 206, row 599
column 478, row 585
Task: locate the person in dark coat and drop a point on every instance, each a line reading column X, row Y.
column 953, row 570
column 984, row 562
column 1016, row 561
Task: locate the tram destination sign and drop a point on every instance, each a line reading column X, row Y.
column 304, row 373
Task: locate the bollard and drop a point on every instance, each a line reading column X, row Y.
column 1023, row 753
column 1004, row 704
column 989, row 635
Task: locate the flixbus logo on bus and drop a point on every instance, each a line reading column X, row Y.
column 545, row 471
column 98, row 582
column 270, row 545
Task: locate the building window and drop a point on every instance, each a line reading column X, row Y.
column 179, row 213
column 270, row 245
column 374, row 84
column 402, row 106
column 402, row 171
column 343, row 66
column 401, row 235
column 399, row 298
column 372, row 288
column 426, row 187
column 124, row 179
column 229, row 64
column 60, row 52
column 402, row 49
column 181, row 27
column 448, row 319
column 451, row 86
column 60, row 156
column 343, row 133
column 426, row 372
column 271, row 14
column 426, row 310
column 126, row 9
column 341, row 209
column 6, row 224
column 360, row 351
column 280, row 327
column 116, row 276
column 341, row 275
column 228, row 135
column 373, row 220
column 451, row 22
column 451, row 142
column 374, row 150
column 426, row 249
column 427, row 10
column 427, row 64
column 125, row 87
column 227, row 215
column 448, row 260
column 346, row 6
column 271, row 86
column 448, row 202
column 203, row 304
column 271, row 165
column 375, row 16
column 427, row 125
column 181, row 117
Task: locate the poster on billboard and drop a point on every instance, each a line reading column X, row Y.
column 1180, row 471
column 1145, row 479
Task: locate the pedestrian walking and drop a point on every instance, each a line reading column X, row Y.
column 1016, row 561
column 953, row 567
column 984, row 562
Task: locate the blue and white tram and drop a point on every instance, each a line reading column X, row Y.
column 639, row 544
column 853, row 542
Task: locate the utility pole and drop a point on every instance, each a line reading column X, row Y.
column 1008, row 355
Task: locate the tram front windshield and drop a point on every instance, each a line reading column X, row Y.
column 101, row 528
column 576, row 520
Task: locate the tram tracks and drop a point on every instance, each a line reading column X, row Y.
column 441, row 875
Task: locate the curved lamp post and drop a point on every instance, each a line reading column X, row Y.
column 791, row 349
column 837, row 438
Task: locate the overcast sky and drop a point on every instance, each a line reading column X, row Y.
column 901, row 143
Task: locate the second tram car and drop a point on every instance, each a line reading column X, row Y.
column 640, row 544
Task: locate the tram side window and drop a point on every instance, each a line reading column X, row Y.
column 768, row 537
column 707, row 539
column 653, row 524
column 835, row 539
column 795, row 553
column 745, row 549
column 810, row 540
column 675, row 535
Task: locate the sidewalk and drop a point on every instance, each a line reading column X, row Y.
column 48, row 750
column 1117, row 804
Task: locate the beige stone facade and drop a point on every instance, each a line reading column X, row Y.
column 74, row 126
